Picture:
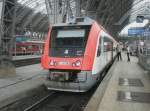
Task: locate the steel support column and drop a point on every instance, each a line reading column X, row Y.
column 7, row 26
column 78, row 8
column 1, row 19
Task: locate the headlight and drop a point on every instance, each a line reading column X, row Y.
column 78, row 63
column 73, row 64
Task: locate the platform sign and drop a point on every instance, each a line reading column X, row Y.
column 136, row 31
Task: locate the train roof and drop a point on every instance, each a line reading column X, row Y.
column 77, row 21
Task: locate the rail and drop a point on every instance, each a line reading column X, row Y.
column 40, row 102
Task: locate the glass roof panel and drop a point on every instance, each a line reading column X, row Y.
column 36, row 5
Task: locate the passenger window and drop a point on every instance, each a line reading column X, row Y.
column 99, row 48
column 108, row 45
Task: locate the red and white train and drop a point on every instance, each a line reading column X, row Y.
column 75, row 54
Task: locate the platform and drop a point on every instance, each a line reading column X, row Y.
column 125, row 88
column 27, row 79
column 15, row 58
column 25, row 60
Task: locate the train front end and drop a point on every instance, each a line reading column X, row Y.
column 66, row 56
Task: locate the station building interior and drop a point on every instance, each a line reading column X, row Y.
column 27, row 29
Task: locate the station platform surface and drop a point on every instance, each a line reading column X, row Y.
column 25, row 57
column 27, row 78
column 126, row 88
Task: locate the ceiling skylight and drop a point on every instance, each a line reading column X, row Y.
column 36, row 5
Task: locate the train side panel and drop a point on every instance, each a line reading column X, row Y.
column 91, row 48
column 45, row 56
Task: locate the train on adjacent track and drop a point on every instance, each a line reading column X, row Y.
column 76, row 54
column 25, row 45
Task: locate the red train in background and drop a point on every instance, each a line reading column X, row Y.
column 76, row 53
column 26, row 46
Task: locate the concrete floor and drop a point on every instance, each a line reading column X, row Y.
column 125, row 69
column 109, row 101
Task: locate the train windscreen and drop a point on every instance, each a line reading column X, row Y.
column 68, row 41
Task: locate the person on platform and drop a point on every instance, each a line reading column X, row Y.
column 128, row 53
column 119, row 52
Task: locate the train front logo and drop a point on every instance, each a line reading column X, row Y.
column 66, row 51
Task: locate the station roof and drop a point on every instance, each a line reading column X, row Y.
column 115, row 14
column 36, row 5
column 31, row 15
column 112, row 14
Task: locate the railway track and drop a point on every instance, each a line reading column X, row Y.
column 40, row 102
column 44, row 100
column 44, row 105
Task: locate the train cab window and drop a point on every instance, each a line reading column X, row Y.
column 70, row 38
column 68, row 42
